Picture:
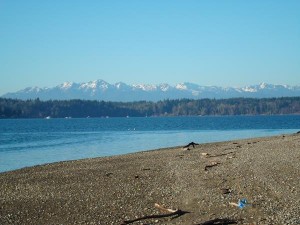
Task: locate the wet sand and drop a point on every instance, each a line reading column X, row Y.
column 205, row 181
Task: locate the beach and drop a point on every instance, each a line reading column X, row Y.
column 202, row 185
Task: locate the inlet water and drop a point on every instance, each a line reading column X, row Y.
column 29, row 142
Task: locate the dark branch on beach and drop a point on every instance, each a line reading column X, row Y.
column 172, row 213
column 187, row 147
column 191, row 144
column 211, row 165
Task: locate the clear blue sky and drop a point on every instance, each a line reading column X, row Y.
column 223, row 43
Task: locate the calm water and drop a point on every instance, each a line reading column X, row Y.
column 28, row 142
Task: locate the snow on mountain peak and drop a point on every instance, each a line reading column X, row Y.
column 95, row 84
column 101, row 90
column 164, row 87
column 181, row 86
column 145, row 87
column 249, row 89
column 99, row 83
column 66, row 85
column 263, row 85
column 119, row 85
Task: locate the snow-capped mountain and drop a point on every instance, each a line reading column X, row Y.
column 101, row 90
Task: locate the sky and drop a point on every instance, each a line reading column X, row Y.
column 207, row 42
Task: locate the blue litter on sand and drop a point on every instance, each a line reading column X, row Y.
column 242, row 203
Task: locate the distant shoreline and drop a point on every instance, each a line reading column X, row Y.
column 161, row 116
column 35, row 108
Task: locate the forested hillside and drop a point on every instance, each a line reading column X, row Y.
column 13, row 108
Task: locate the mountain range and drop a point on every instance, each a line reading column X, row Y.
column 102, row 90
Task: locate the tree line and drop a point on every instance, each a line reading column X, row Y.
column 34, row 108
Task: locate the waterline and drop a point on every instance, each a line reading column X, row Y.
column 80, row 145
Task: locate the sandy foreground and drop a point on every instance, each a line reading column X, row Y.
column 204, row 183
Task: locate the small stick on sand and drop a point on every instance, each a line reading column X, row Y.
column 164, row 209
column 211, row 165
column 233, row 204
column 210, row 156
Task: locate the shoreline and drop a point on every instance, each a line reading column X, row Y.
column 52, row 155
column 201, row 181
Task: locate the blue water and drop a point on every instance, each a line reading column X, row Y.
column 29, row 142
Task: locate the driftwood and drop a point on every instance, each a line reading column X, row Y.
column 211, row 165
column 218, row 221
column 205, row 154
column 227, row 153
column 161, row 208
column 225, row 191
column 169, row 213
column 233, row 204
column 187, row 147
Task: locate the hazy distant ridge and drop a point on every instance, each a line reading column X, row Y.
column 102, row 90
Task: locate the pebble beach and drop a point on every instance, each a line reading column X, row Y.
column 249, row 181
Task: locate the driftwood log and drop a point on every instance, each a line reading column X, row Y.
column 187, row 147
column 169, row 213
